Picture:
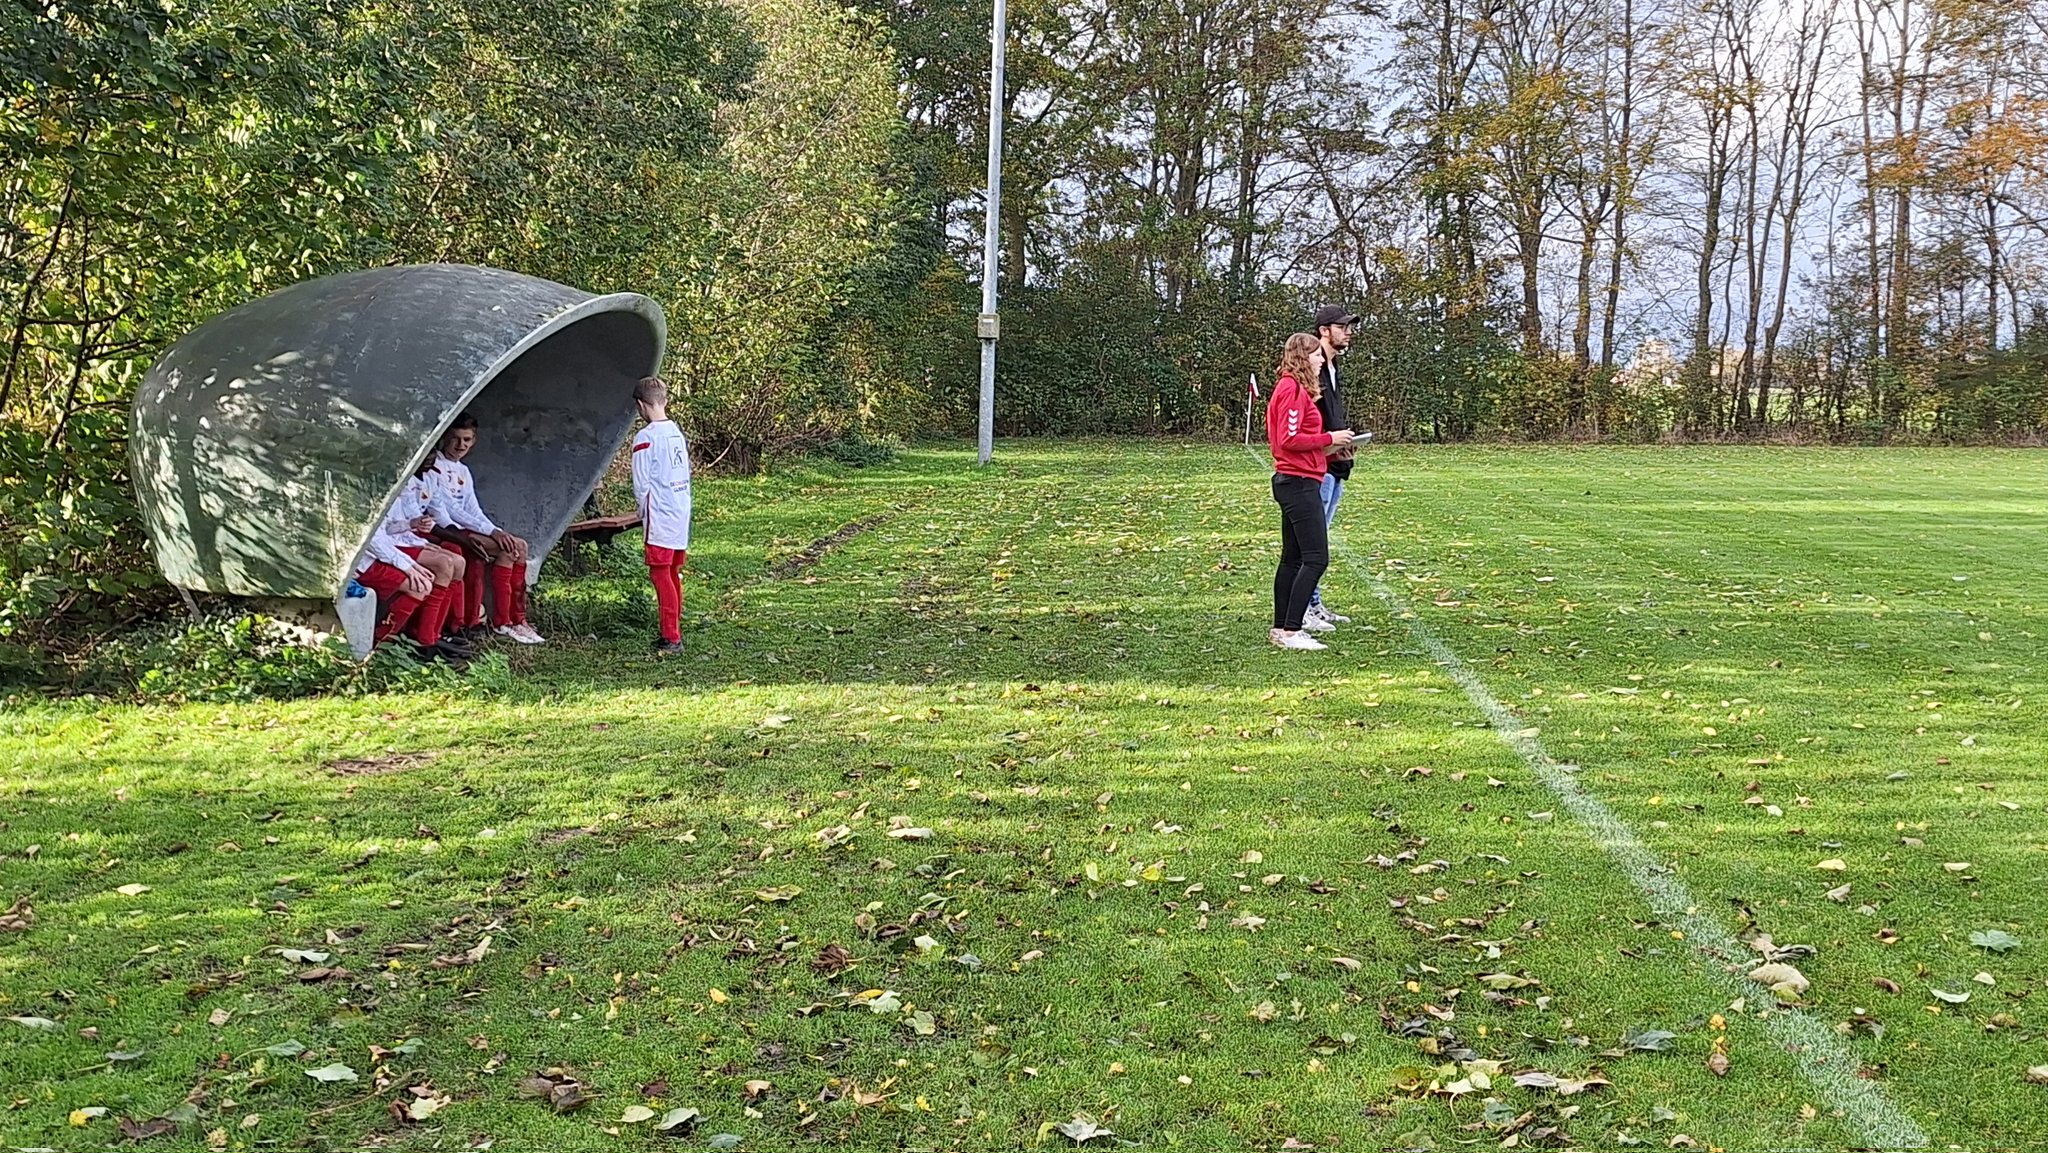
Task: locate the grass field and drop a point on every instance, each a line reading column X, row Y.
column 997, row 809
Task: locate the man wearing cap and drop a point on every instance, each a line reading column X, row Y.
column 1333, row 327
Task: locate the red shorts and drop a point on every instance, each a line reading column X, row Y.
column 383, row 579
column 659, row 557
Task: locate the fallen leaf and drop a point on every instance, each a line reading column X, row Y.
column 469, row 956
column 1787, row 982
column 778, row 894
column 80, row 1118
column 1996, row 940
column 635, row 1114
column 1082, row 1129
column 2037, row 1074
column 218, row 1017
column 420, row 1108
column 290, row 1048
column 34, row 1022
column 1349, row 964
column 1951, row 998
column 1833, row 865
column 1717, row 1064
column 1956, row 866
column 145, row 1130
column 132, row 891
column 1647, row 1040
column 335, row 1072
column 18, row 917
column 303, row 956
column 1839, row 895
column 679, row 1121
column 1563, row 1086
column 910, row 834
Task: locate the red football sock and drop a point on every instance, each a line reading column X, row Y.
column 473, row 594
column 426, row 626
column 668, row 600
column 504, row 602
column 458, row 604
column 401, row 611
column 518, row 594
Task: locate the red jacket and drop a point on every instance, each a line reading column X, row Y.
column 1294, row 430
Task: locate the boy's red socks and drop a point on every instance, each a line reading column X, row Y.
column 402, row 609
column 504, row 601
column 473, row 594
column 668, row 600
column 426, row 625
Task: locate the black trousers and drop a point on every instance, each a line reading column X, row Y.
column 1304, row 548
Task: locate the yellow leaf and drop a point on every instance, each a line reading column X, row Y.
column 718, row 997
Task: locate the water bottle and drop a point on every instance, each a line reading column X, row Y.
column 354, row 589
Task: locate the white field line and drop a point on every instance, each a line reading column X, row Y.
column 1822, row 1056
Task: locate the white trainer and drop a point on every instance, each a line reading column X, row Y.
column 1301, row 640
column 1316, row 624
column 528, row 635
column 519, row 633
column 1324, row 612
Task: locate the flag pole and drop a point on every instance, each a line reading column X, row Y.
column 1248, row 410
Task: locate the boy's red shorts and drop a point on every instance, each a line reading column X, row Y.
column 383, row 579
column 659, row 557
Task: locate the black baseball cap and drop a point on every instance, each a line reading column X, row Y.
column 1335, row 314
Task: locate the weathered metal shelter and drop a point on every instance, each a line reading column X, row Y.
column 268, row 443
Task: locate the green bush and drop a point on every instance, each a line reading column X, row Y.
column 240, row 658
column 614, row 602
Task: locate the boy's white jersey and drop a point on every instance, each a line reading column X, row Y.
column 383, row 548
column 419, row 496
column 661, row 484
column 458, row 491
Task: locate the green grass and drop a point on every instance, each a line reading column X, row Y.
column 1154, row 832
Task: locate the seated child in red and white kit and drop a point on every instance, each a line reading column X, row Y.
column 424, row 579
column 483, row 544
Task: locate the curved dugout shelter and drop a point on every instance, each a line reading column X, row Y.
column 268, row 443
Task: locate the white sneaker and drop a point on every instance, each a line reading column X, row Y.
column 1302, row 641
column 1324, row 612
column 1316, row 624
column 520, row 633
column 528, row 636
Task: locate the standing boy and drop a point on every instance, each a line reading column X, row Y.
column 661, row 487
column 484, row 545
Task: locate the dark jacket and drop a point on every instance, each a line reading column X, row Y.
column 1334, row 417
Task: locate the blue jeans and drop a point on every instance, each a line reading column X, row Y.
column 1333, row 491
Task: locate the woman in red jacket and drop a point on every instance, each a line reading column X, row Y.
column 1301, row 449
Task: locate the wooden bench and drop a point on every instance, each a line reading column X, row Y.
column 597, row 530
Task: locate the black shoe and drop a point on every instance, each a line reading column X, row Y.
column 457, row 645
column 452, row 657
column 668, row 649
column 474, row 634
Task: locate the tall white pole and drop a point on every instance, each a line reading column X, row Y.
column 987, row 327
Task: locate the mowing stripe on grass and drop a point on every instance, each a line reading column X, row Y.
column 1825, row 1060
